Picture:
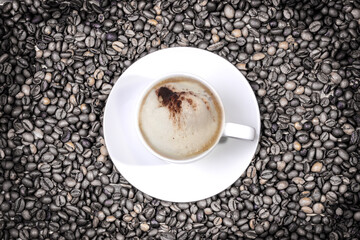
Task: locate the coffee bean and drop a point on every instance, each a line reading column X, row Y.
column 250, row 234
column 45, row 168
column 48, row 157
column 90, row 41
column 357, row 216
column 267, row 174
column 58, row 178
column 331, row 196
column 270, row 191
column 307, row 36
column 335, row 180
column 258, row 56
column 28, row 126
column 215, row 206
column 285, row 68
column 216, row 46
column 228, row 222
column 201, row 204
column 318, row 208
column 103, row 60
column 19, row 205
column 98, row 74
column 305, row 201
column 229, row 11
column 106, row 88
column 343, row 154
column 218, row 221
column 315, row 26
column 70, row 182
column 255, row 23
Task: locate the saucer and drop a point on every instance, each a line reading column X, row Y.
column 180, row 182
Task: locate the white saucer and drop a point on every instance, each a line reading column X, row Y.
column 180, row 182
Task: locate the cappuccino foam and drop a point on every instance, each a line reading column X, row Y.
column 180, row 118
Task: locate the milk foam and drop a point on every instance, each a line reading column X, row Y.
column 179, row 118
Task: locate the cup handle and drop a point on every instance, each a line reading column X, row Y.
column 235, row 130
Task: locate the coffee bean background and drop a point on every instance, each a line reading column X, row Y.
column 60, row 59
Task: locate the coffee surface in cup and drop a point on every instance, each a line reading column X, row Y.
column 180, row 117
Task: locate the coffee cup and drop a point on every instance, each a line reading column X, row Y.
column 181, row 119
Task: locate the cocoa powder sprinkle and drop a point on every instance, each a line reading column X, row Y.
column 169, row 99
column 173, row 100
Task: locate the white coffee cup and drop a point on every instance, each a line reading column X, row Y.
column 227, row 129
